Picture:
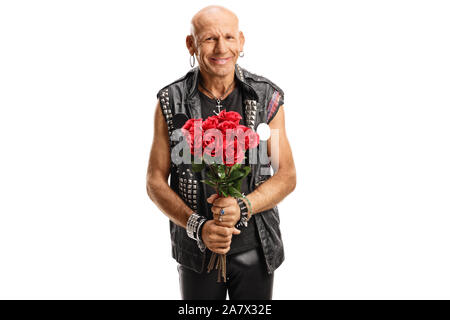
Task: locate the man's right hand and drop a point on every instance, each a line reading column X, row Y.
column 217, row 238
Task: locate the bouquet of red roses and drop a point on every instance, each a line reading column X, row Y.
column 219, row 143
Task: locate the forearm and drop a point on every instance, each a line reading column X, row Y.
column 271, row 192
column 169, row 202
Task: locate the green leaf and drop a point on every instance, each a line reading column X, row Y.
column 247, row 170
column 211, row 183
column 235, row 167
column 235, row 192
column 210, row 174
column 237, row 174
column 240, row 173
column 221, row 171
column 237, row 184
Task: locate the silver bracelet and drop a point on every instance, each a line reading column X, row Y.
column 193, row 225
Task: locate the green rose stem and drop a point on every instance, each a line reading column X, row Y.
column 221, row 264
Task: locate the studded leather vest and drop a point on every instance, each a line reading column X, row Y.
column 180, row 101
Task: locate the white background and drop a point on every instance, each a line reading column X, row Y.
column 367, row 103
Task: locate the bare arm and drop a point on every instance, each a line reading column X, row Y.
column 158, row 172
column 284, row 180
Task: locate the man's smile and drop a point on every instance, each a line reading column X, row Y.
column 220, row 60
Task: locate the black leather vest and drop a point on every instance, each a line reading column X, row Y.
column 181, row 98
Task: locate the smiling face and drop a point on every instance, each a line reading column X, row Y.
column 216, row 40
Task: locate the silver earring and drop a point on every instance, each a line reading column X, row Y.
column 242, row 54
column 192, row 62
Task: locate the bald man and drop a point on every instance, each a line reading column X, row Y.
column 253, row 247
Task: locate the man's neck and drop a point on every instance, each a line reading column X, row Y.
column 217, row 85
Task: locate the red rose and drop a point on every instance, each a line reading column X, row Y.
column 229, row 116
column 210, row 123
column 226, row 125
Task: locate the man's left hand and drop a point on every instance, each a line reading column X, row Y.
column 231, row 208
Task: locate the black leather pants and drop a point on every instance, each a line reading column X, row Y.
column 247, row 278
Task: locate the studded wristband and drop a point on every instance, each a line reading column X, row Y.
column 244, row 213
column 192, row 225
column 193, row 228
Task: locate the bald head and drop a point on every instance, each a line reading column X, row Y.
column 211, row 15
